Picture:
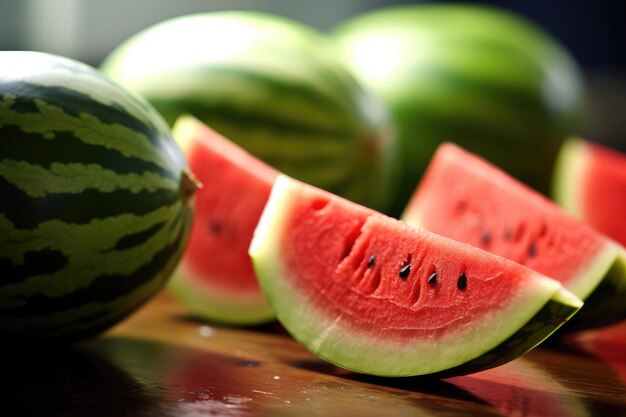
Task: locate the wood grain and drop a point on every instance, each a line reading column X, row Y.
column 161, row 362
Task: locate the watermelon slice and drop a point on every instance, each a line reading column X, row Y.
column 215, row 278
column 590, row 183
column 374, row 295
column 466, row 198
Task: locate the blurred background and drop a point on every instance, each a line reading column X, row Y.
column 594, row 31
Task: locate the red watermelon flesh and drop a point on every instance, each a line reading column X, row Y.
column 372, row 294
column 466, row 198
column 215, row 278
column 590, row 183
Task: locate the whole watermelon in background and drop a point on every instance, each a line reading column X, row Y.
column 468, row 199
column 375, row 295
column 215, row 278
column 590, row 183
column 273, row 86
column 94, row 199
column 481, row 77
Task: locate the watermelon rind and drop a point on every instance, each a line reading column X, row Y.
column 603, row 269
column 532, row 316
column 213, row 303
column 605, row 305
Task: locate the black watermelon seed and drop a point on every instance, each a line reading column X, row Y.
column 462, row 282
column 432, row 280
column 405, row 271
column 370, row 261
column 532, row 251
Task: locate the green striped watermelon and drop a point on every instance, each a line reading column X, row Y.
column 94, row 199
column 273, row 86
column 481, row 77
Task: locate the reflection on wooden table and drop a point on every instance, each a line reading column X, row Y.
column 162, row 363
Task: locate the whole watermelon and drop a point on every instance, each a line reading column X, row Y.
column 482, row 77
column 274, row 86
column 94, row 199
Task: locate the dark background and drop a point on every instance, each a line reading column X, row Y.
column 594, row 32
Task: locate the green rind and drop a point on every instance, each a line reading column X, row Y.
column 92, row 199
column 447, row 74
column 273, row 86
column 605, row 305
column 551, row 317
column 230, row 308
column 495, row 339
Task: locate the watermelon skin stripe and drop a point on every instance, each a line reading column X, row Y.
column 261, row 140
column 66, row 147
column 276, row 85
column 95, row 317
column 136, row 239
column 102, row 288
column 301, row 129
column 310, row 102
column 94, row 256
column 86, row 312
column 45, row 261
column 51, row 119
column 26, row 213
column 76, row 178
column 74, row 103
column 140, row 109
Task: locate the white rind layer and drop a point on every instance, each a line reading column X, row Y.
column 234, row 307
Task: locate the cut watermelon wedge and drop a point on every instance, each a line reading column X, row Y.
column 215, row 278
column 466, row 198
column 590, row 183
column 374, row 295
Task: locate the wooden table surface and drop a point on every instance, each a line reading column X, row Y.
column 161, row 362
